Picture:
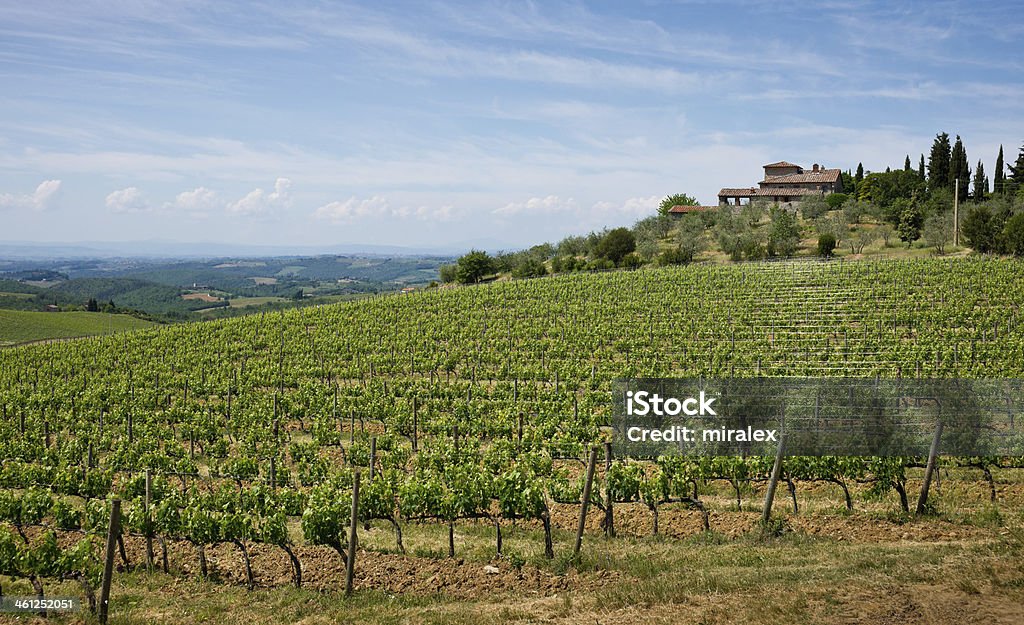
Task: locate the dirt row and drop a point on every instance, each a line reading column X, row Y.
column 323, row 570
column 676, row 522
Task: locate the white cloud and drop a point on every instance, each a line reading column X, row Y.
column 553, row 205
column 539, row 205
column 444, row 213
column 353, row 208
column 259, row 201
column 127, row 200
column 44, row 193
column 377, row 206
column 40, row 199
column 632, row 207
column 133, row 200
column 197, row 200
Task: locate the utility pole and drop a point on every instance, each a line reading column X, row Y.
column 956, row 214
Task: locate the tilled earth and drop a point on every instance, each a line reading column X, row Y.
column 323, row 569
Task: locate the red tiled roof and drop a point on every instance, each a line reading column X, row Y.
column 822, row 175
column 769, row 192
column 782, row 164
column 679, row 208
column 742, row 192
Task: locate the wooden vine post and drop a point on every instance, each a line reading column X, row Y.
column 609, row 515
column 769, row 496
column 148, row 521
column 922, row 500
column 350, row 564
column 586, row 501
column 373, row 456
column 113, row 531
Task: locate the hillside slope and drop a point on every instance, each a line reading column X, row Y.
column 18, row 326
column 466, row 413
column 575, row 333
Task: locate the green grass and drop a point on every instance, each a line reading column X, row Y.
column 793, row 579
column 17, row 326
column 290, row 270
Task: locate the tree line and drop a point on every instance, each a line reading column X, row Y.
column 909, row 204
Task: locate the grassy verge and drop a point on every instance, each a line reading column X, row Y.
column 795, row 578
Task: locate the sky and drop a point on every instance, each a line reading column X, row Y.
column 432, row 124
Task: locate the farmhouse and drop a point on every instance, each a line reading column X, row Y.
column 784, row 183
column 680, row 209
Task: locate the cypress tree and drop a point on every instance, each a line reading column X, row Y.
column 959, row 169
column 860, row 172
column 980, row 182
column 906, row 164
column 998, row 178
column 1017, row 170
column 938, row 162
column 920, row 168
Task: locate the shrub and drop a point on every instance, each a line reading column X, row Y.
column 616, row 244
column 674, row 256
column 909, row 227
column 448, row 273
column 530, row 268
column 784, row 237
column 631, row 261
column 981, row 228
column 826, row 245
column 473, row 266
column 835, row 200
column 1013, row 235
column 814, row 206
column 566, row 264
column 691, row 237
column 938, row 231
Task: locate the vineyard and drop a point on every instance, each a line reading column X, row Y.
column 474, row 416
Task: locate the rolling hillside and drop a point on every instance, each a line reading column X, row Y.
column 18, row 326
column 472, row 416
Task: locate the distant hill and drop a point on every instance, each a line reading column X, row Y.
column 129, row 293
column 158, row 249
column 175, row 289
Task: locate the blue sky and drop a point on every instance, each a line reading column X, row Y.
column 433, row 123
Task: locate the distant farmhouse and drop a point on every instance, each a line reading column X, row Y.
column 680, row 209
column 785, row 183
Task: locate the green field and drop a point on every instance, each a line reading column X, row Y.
column 244, row 302
column 17, row 295
column 17, row 326
column 481, row 406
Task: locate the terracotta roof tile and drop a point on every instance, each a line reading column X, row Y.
column 740, row 191
column 769, row 192
column 822, row 175
column 678, row 208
